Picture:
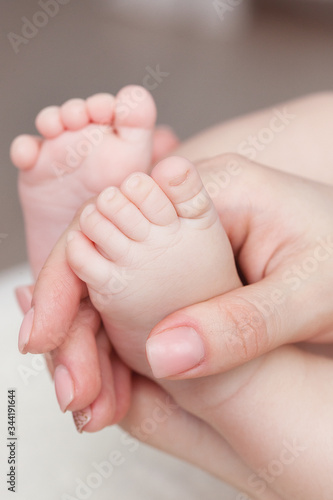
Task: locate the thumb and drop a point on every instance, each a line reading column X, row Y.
column 229, row 330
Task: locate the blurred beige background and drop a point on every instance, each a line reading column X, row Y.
column 219, row 65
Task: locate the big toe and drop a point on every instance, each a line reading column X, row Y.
column 135, row 112
column 74, row 114
column 180, row 181
column 101, row 108
column 49, row 122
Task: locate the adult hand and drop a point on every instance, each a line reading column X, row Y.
column 263, row 427
column 281, row 232
column 90, row 379
column 280, row 227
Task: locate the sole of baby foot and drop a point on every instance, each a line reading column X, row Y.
column 85, row 146
column 148, row 248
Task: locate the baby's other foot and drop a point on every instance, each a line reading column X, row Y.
column 85, row 147
column 150, row 248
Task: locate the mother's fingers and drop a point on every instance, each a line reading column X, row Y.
column 55, row 302
column 75, row 364
column 77, row 373
column 114, row 398
column 90, row 379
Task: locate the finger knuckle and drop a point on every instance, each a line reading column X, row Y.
column 246, row 334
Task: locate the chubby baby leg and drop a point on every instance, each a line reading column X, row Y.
column 294, row 137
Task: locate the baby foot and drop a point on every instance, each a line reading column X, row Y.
column 85, row 146
column 149, row 248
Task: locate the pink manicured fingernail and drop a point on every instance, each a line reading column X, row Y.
column 64, row 387
column 174, row 351
column 24, row 297
column 25, row 330
column 81, row 418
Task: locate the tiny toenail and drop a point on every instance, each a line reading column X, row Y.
column 25, row 330
column 89, row 209
column 64, row 387
column 133, row 181
column 176, row 181
column 109, row 193
column 82, row 418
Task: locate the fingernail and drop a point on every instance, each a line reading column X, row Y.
column 24, row 297
column 64, row 387
column 81, row 418
column 25, row 330
column 49, row 363
column 174, row 351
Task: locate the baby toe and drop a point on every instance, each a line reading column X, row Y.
column 135, row 113
column 118, row 209
column 145, row 193
column 100, row 108
column 109, row 240
column 49, row 122
column 74, row 114
column 180, row 181
column 85, row 260
column 24, row 151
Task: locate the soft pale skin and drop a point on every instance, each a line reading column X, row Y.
column 307, row 171
column 84, row 147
